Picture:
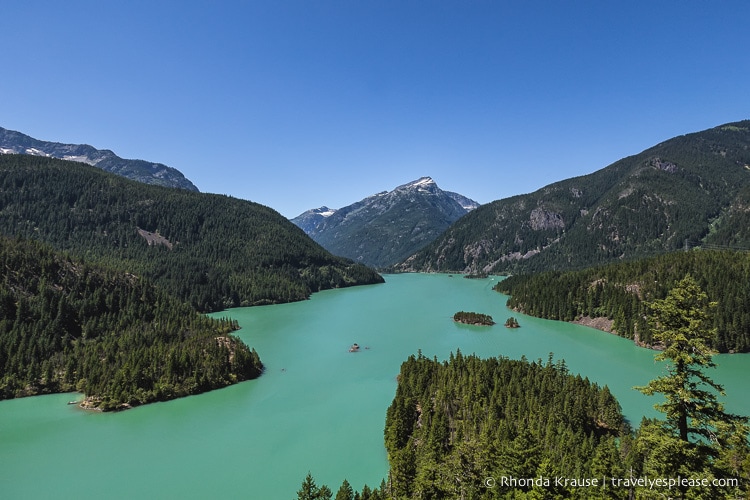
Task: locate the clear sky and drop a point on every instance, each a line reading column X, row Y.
column 298, row 104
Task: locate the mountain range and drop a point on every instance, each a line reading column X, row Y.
column 12, row 142
column 387, row 227
column 691, row 190
column 97, row 263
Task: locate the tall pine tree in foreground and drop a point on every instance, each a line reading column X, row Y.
column 697, row 439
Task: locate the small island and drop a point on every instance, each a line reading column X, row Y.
column 511, row 323
column 473, row 318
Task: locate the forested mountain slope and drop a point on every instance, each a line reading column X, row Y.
column 210, row 251
column 616, row 294
column 68, row 325
column 692, row 188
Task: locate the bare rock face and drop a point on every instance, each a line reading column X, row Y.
column 665, row 166
column 541, row 218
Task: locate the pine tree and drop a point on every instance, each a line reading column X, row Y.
column 311, row 491
column 698, row 438
column 346, row 492
column 682, row 325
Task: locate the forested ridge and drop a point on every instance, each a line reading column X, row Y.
column 693, row 187
column 69, row 325
column 619, row 292
column 211, row 251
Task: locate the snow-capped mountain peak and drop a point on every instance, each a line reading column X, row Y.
column 386, row 227
column 424, row 184
column 323, row 211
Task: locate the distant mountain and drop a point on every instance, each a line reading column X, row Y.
column 208, row 250
column 12, row 142
column 385, row 228
column 310, row 220
column 690, row 190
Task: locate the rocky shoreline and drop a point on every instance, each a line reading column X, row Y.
column 607, row 325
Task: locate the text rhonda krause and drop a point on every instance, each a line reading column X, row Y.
column 611, row 482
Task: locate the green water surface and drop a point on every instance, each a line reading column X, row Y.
column 317, row 408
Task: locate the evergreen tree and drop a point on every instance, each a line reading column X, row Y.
column 66, row 325
column 698, row 438
column 682, row 325
column 346, row 492
column 311, row 491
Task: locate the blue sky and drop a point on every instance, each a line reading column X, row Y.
column 297, row 104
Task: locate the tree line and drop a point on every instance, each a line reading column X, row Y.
column 620, row 292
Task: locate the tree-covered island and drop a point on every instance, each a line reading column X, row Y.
column 512, row 323
column 473, row 318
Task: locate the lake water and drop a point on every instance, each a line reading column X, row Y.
column 318, row 408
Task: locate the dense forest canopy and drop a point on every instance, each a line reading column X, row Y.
column 211, row 251
column 618, row 292
column 68, row 325
column 472, row 419
column 103, row 280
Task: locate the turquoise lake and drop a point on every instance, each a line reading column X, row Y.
column 317, row 408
